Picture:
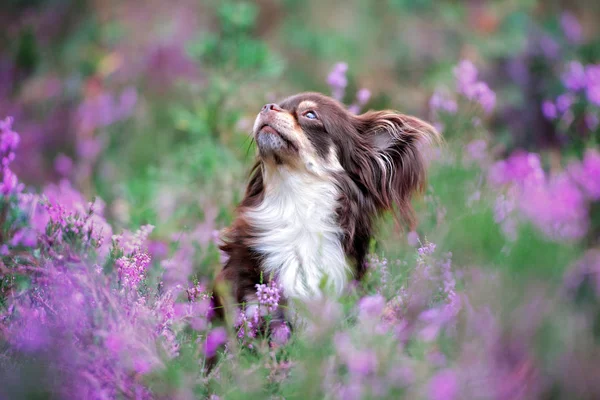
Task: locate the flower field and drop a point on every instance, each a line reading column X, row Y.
column 125, row 146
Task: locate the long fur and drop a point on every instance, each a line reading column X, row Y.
column 315, row 192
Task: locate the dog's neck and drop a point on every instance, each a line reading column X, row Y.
column 297, row 232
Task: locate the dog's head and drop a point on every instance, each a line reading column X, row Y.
column 381, row 152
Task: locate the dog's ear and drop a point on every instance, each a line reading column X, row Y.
column 392, row 164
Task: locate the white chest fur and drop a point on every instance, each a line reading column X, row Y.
column 298, row 234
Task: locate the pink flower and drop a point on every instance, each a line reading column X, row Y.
column 337, row 80
column 281, row 334
column 571, row 27
column 214, row 340
column 592, row 73
column 574, row 78
column 549, row 110
column 269, row 295
column 63, row 165
column 371, row 306
column 444, row 386
column 478, row 91
column 587, row 174
column 476, row 151
column 132, row 269
column 412, row 239
column 520, row 168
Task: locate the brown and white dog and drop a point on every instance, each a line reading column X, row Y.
column 321, row 178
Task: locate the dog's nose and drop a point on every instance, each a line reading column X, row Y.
column 270, row 106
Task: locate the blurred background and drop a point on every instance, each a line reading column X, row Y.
column 148, row 105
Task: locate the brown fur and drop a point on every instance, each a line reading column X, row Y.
column 383, row 165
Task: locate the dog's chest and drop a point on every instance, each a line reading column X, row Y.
column 298, row 235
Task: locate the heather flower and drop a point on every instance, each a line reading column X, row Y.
column 592, row 73
column 63, row 165
column 564, row 102
column 557, row 208
column 362, row 97
column 281, row 334
column 574, row 78
column 592, row 121
column 337, row 80
column 520, row 168
column 467, row 85
column 132, row 270
column 360, row 362
column 444, row 386
column 476, row 151
column 481, row 93
column 412, row 238
column 214, row 340
column 371, row 306
column 441, row 101
column 587, row 174
column 466, row 75
column 197, row 292
column 9, row 182
column 550, row 48
column 571, row 27
column 9, row 140
column 269, row 295
column 426, row 249
column 247, row 326
column 104, row 109
column 549, row 110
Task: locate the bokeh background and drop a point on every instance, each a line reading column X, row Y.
column 147, row 106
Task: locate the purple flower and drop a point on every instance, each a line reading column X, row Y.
column 63, row 164
column 592, row 73
column 103, row 110
column 9, row 140
column 214, row 340
column 269, row 295
column 412, row 238
column 444, row 386
column 9, row 182
column 587, row 174
column 354, row 109
column 467, row 85
column 592, row 121
column 574, row 78
column 371, row 306
column 571, row 27
column 442, row 102
column 550, row 48
column 549, row 110
column 281, row 334
column 520, row 168
column 132, row 269
column 362, row 363
column 426, row 249
column 337, row 80
column 564, row 102
column 485, row 96
column 556, row 207
column 363, row 96
column 466, row 75
column 476, row 151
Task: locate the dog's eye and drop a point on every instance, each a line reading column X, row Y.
column 310, row 114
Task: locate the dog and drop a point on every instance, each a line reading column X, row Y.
column 321, row 178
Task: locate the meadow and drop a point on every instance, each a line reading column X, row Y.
column 125, row 145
